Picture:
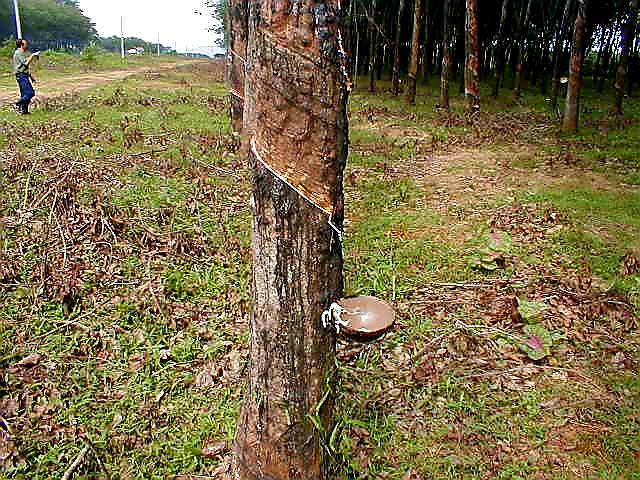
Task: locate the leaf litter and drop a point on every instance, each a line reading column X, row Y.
column 530, row 327
column 75, row 240
column 107, row 264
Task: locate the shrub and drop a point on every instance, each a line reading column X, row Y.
column 89, row 56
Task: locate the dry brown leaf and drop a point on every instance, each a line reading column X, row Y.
column 411, row 474
column 29, row 361
column 630, row 265
column 136, row 360
column 213, row 450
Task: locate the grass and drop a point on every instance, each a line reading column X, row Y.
column 52, row 65
column 139, row 318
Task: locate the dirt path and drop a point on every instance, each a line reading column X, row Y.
column 59, row 86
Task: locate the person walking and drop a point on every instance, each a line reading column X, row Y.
column 21, row 63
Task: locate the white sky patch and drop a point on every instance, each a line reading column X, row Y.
column 177, row 22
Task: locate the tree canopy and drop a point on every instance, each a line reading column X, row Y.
column 48, row 22
column 112, row 44
column 218, row 10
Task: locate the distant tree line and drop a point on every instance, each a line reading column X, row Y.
column 60, row 24
column 112, row 44
column 48, row 23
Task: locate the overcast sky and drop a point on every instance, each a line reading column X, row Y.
column 176, row 20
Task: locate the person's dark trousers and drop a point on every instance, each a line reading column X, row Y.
column 26, row 91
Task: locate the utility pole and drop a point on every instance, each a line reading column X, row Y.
column 158, row 43
column 122, row 37
column 18, row 24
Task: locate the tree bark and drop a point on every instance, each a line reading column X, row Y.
column 373, row 40
column 558, row 53
column 381, row 63
column 238, row 23
column 631, row 78
column 460, row 57
column 429, row 47
column 354, row 44
column 570, row 123
column 418, row 20
column 628, row 37
column 500, row 48
column 356, row 61
column 446, row 56
column 472, row 64
column 396, row 50
column 522, row 34
column 296, row 115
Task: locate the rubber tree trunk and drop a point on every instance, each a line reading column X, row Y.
column 418, row 20
column 296, row 109
column 446, row 56
column 356, row 60
column 396, row 50
column 381, row 64
column 373, row 41
column 522, row 35
column 461, row 50
column 472, row 64
column 500, row 48
column 354, row 44
column 604, row 74
column 631, row 78
column 429, row 9
column 238, row 18
column 570, row 122
column 626, row 50
column 558, row 53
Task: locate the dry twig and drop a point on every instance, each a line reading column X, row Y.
column 76, row 463
column 26, row 187
column 148, row 152
column 64, row 243
column 217, row 169
column 6, row 426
